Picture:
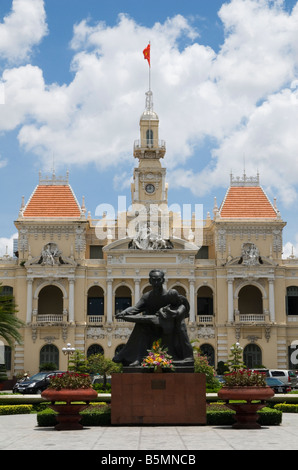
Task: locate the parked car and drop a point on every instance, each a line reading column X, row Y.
column 220, row 378
column 99, row 379
column 288, row 377
column 277, row 385
column 36, row 384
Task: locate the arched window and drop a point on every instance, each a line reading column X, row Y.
column 95, row 305
column 252, row 356
column 119, row 347
column 180, row 290
column 6, row 291
column 208, row 351
column 7, row 357
column 250, row 300
column 50, row 301
column 292, row 300
column 149, row 137
column 122, row 299
column 49, row 353
column 95, row 349
column 205, row 301
column 146, row 289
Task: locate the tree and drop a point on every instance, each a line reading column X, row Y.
column 78, row 363
column 201, row 366
column 235, row 362
column 9, row 323
column 98, row 364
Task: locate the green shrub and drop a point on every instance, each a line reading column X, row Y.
column 100, row 415
column 101, row 388
column 286, row 408
column 15, row 409
column 269, row 417
column 94, row 415
column 46, row 417
column 220, row 417
column 219, row 414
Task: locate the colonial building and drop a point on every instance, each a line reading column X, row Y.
column 72, row 274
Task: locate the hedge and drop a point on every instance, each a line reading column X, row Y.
column 101, row 416
column 286, row 408
column 267, row 417
column 15, row 409
column 92, row 416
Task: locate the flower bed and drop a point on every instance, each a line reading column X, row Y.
column 70, row 380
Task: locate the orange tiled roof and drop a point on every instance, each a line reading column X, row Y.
column 52, row 201
column 246, row 202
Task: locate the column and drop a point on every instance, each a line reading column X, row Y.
column 271, row 300
column 137, row 290
column 230, row 301
column 192, row 313
column 163, row 186
column 109, row 300
column 29, row 300
column 71, row 301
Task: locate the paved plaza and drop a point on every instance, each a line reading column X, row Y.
column 20, row 432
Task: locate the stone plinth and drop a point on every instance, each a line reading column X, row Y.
column 158, row 398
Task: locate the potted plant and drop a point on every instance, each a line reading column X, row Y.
column 158, row 359
column 247, row 386
column 67, row 388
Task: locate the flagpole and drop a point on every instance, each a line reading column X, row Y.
column 150, row 138
column 150, row 69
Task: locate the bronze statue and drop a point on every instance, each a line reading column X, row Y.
column 159, row 314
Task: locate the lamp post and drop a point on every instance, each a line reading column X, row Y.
column 68, row 351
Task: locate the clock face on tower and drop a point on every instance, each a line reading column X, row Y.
column 150, row 188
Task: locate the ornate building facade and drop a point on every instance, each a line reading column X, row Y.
column 72, row 274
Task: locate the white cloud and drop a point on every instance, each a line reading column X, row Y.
column 6, row 245
column 22, row 29
column 291, row 249
column 240, row 98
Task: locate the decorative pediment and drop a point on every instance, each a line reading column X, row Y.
column 50, row 256
column 250, row 256
column 128, row 244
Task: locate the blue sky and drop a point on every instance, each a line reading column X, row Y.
column 224, row 82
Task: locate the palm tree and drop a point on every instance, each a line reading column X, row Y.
column 9, row 323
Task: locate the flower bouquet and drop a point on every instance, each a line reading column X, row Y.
column 158, row 358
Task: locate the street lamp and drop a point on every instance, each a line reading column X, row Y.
column 68, row 351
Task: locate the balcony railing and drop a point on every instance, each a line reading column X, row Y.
column 205, row 319
column 251, row 318
column 50, row 318
column 150, row 144
column 95, row 319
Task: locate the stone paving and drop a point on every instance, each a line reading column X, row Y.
column 20, row 432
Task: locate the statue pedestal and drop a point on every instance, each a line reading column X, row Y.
column 158, row 398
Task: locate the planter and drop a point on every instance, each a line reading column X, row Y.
column 246, row 413
column 68, row 412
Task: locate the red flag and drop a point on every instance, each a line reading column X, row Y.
column 146, row 53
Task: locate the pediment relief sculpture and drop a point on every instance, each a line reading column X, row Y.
column 50, row 256
column 146, row 239
column 250, row 256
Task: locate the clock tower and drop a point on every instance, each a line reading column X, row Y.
column 149, row 186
